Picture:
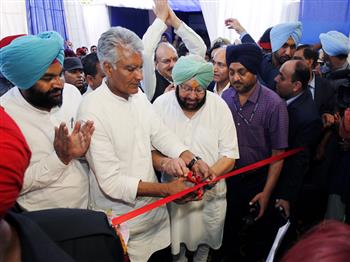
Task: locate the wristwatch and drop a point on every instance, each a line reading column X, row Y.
column 193, row 161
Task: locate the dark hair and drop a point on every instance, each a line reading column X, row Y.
column 69, row 53
column 309, row 53
column 342, row 56
column 301, row 73
column 80, row 51
column 327, row 242
column 182, row 50
column 92, row 47
column 89, row 64
column 217, row 44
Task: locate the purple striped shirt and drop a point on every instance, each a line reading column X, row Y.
column 261, row 123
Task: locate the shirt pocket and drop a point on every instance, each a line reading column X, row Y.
column 254, row 137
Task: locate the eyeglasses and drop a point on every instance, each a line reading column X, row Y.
column 169, row 60
column 188, row 90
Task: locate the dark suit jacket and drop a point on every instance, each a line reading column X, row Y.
column 211, row 86
column 324, row 95
column 161, row 85
column 248, row 39
column 305, row 128
column 268, row 71
column 84, row 235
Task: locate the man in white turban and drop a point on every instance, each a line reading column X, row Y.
column 203, row 122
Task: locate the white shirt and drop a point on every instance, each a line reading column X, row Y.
column 151, row 38
column 225, row 88
column 290, row 100
column 48, row 183
column 88, row 91
column 120, row 157
column 210, row 134
column 312, row 86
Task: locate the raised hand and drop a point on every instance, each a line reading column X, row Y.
column 161, row 9
column 172, row 19
column 233, row 23
column 75, row 145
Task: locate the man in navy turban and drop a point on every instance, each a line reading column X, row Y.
column 261, row 119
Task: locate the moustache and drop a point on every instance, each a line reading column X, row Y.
column 54, row 91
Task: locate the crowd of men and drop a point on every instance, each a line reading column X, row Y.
column 87, row 139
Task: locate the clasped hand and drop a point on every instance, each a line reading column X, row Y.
column 74, row 145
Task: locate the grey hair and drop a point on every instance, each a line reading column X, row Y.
column 117, row 37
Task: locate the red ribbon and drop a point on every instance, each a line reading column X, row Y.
column 125, row 217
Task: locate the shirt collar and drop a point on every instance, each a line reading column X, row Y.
column 225, row 88
column 254, row 96
column 312, row 81
column 290, row 100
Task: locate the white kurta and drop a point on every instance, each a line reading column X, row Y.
column 210, row 134
column 220, row 93
column 151, row 38
column 120, row 156
column 48, row 183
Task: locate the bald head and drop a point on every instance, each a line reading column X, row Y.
column 292, row 79
column 165, row 59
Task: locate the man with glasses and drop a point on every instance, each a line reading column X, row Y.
column 261, row 119
column 159, row 59
column 204, row 123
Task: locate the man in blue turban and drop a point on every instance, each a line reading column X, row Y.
column 284, row 39
column 336, row 48
column 203, row 121
column 41, row 108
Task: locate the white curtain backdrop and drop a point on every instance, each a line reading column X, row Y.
column 13, row 19
column 254, row 15
column 86, row 21
column 139, row 4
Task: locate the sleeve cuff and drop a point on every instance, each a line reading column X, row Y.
column 182, row 29
column 131, row 192
column 243, row 34
column 159, row 25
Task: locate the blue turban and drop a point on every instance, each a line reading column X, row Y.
column 27, row 58
column 335, row 43
column 280, row 34
column 249, row 55
column 193, row 66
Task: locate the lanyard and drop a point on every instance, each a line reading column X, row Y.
column 248, row 122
